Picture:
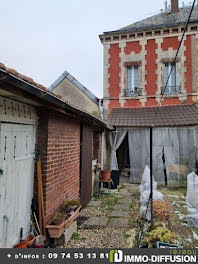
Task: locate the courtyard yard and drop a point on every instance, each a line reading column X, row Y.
column 112, row 219
column 178, row 217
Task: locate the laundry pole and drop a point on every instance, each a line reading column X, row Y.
column 151, row 174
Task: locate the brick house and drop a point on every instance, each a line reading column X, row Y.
column 36, row 121
column 137, row 61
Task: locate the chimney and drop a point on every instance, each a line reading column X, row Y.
column 174, row 6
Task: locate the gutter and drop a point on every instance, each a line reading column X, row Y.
column 131, row 30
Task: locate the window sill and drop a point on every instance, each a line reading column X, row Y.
column 153, row 96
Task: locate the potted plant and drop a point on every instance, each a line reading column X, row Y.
column 106, row 175
column 59, row 218
column 67, row 214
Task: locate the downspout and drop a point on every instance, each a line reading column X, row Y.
column 103, row 134
column 102, row 151
column 101, row 108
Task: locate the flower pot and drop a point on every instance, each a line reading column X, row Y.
column 22, row 244
column 55, row 231
column 30, row 240
column 106, row 175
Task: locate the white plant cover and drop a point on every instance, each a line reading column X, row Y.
column 145, row 184
column 145, row 193
column 192, row 190
column 157, row 196
column 192, row 199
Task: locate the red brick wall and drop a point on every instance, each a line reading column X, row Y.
column 151, row 67
column 59, row 142
column 113, row 104
column 172, row 42
column 150, row 76
column 133, row 46
column 114, row 70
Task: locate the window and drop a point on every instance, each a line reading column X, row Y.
column 132, row 88
column 173, row 84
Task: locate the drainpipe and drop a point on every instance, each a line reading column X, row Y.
column 102, row 151
column 103, row 135
column 101, row 108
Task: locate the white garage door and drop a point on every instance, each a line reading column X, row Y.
column 16, row 182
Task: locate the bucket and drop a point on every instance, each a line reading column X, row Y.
column 115, row 176
column 106, row 175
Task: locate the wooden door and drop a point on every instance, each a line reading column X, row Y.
column 86, row 165
column 16, row 181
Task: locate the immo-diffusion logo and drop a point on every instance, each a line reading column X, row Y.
column 115, row 256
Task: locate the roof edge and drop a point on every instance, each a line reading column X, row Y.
column 131, row 30
column 48, row 96
column 82, row 88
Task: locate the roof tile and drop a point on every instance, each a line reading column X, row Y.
column 163, row 19
column 175, row 115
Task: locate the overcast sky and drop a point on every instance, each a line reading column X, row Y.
column 43, row 38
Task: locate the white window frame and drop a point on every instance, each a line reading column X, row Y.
column 134, row 79
column 174, row 80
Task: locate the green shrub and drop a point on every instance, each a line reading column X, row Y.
column 161, row 234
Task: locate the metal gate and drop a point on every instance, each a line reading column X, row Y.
column 86, row 165
column 17, row 147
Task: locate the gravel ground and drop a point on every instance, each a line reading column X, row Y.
column 103, row 238
column 108, row 237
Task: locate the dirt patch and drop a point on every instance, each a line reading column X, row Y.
column 178, row 219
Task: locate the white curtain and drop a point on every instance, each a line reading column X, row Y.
column 180, row 147
column 139, row 156
column 158, row 149
column 115, row 139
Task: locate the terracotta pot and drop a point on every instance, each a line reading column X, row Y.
column 30, row 240
column 22, row 244
column 55, row 231
column 106, row 175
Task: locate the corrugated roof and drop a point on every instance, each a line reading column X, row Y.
column 164, row 116
column 164, row 19
column 78, row 85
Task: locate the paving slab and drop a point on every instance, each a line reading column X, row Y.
column 97, row 221
column 120, row 195
column 118, row 222
column 122, row 207
column 126, row 200
column 118, row 213
column 123, row 191
column 94, row 203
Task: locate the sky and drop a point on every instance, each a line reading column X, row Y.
column 43, row 38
